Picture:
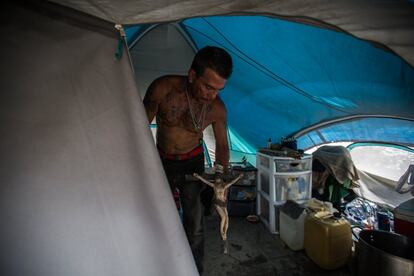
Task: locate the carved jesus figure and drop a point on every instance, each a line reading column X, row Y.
column 220, row 200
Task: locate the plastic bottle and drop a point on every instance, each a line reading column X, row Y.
column 293, row 188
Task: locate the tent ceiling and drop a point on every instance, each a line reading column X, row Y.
column 289, row 76
column 387, row 22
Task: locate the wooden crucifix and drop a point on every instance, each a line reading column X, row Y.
column 220, row 201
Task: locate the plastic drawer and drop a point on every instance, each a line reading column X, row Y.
column 263, row 208
column 263, row 161
column 269, row 213
column 294, row 187
column 264, row 184
column 293, row 165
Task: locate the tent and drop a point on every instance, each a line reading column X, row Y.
column 80, row 190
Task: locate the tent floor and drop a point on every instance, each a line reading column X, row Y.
column 253, row 250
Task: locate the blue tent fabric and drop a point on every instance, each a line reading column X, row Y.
column 388, row 130
column 289, row 76
column 132, row 32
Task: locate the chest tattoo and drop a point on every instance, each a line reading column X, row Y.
column 174, row 111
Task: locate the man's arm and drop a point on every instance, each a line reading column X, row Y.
column 152, row 99
column 220, row 135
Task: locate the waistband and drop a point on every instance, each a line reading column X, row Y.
column 183, row 156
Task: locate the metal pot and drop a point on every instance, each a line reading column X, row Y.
column 385, row 253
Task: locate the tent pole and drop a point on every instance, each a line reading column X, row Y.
column 122, row 36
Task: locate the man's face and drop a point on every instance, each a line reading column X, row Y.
column 207, row 86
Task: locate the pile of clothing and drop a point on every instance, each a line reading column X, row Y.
column 333, row 174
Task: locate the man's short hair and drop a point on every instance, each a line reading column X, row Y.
column 215, row 58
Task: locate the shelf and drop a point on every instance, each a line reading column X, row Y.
column 242, row 192
column 242, row 195
column 241, row 208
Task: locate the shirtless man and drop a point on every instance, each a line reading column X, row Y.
column 184, row 106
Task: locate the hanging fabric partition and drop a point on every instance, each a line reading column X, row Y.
column 76, row 195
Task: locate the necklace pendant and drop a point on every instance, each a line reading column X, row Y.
column 198, row 124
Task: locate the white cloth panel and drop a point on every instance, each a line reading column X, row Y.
column 380, row 190
column 82, row 191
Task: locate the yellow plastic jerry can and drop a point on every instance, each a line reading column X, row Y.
column 328, row 240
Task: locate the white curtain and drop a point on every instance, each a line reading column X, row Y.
column 82, row 191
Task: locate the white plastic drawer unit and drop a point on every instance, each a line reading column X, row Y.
column 293, row 186
column 281, row 178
